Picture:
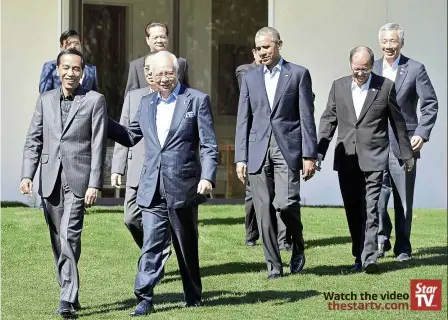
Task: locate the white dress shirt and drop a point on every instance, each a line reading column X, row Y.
column 359, row 95
column 164, row 113
column 271, row 80
column 390, row 72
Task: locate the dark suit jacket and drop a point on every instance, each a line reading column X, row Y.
column 136, row 76
column 80, row 146
column 50, row 80
column 291, row 119
column 177, row 161
column 130, row 160
column 367, row 136
column 412, row 83
column 241, row 70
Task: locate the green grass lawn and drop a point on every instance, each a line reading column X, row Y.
column 233, row 276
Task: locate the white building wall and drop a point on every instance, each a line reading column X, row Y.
column 29, row 37
column 320, row 34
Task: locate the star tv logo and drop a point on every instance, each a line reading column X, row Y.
column 426, row 295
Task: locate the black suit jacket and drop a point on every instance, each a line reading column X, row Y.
column 367, row 136
column 291, row 119
column 136, row 76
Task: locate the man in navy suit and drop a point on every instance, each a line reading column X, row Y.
column 276, row 137
column 175, row 122
column 412, row 84
column 49, row 79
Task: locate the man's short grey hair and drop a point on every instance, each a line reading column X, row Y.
column 365, row 49
column 165, row 54
column 392, row 26
column 268, row 30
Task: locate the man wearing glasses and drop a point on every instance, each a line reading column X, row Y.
column 157, row 40
column 49, row 79
column 361, row 105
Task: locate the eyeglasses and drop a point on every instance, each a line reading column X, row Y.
column 361, row 70
column 169, row 75
column 73, row 43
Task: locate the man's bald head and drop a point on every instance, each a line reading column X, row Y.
column 364, row 53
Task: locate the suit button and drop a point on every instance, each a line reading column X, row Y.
column 157, row 168
column 356, row 127
column 353, row 142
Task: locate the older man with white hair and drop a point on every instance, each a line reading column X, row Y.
column 175, row 121
column 412, row 84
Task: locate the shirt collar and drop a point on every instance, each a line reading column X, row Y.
column 278, row 67
column 172, row 96
column 70, row 97
column 394, row 65
column 365, row 86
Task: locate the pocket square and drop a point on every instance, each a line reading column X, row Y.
column 189, row 114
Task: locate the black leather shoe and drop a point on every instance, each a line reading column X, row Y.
column 356, row 267
column 387, row 245
column 143, row 308
column 65, row 309
column 273, row 276
column 192, row 304
column 251, row 243
column 77, row 305
column 297, row 263
column 402, row 257
column 370, row 267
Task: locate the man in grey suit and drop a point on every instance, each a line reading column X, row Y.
column 275, row 139
column 67, row 135
column 412, row 84
column 157, row 40
column 250, row 223
column 175, row 122
column 130, row 160
column 361, row 105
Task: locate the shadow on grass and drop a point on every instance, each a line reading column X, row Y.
column 221, row 221
column 170, row 301
column 102, row 210
column 440, row 258
column 327, row 242
column 226, row 268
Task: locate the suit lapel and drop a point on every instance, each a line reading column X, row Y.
column 262, row 85
column 77, row 103
column 371, row 94
column 152, row 110
column 182, row 103
column 56, row 104
column 349, row 99
column 402, row 71
column 285, row 75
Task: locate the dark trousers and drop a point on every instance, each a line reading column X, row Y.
column 160, row 224
column 284, row 198
column 360, row 193
column 401, row 183
column 133, row 215
column 250, row 222
column 64, row 213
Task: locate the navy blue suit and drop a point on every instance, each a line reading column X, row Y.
column 50, row 80
column 167, row 193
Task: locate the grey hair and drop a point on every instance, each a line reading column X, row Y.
column 166, row 54
column 365, row 49
column 268, row 30
column 392, row 26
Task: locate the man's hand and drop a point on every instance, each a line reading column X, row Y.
column 319, row 162
column 204, row 187
column 90, row 197
column 409, row 164
column 115, row 180
column 309, row 168
column 26, row 186
column 241, row 171
column 417, row 143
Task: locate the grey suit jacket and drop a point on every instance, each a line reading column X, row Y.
column 136, row 76
column 412, row 83
column 130, row 160
column 241, row 70
column 80, row 146
column 291, row 119
column 177, row 162
column 367, row 135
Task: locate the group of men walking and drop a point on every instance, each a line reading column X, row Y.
column 276, row 144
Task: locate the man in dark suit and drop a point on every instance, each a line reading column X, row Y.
column 130, row 160
column 361, row 106
column 250, row 223
column 412, row 84
column 49, row 79
column 275, row 139
column 175, row 122
column 157, row 40
column 67, row 135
